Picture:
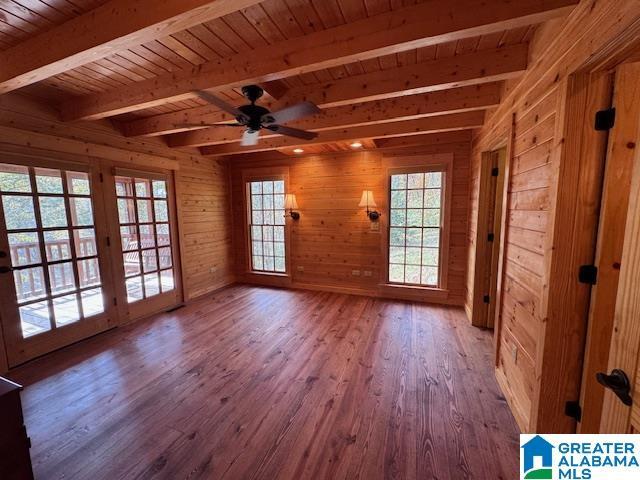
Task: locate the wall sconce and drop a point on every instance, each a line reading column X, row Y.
column 291, row 204
column 367, row 201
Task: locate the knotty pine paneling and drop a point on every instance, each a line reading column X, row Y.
column 334, row 236
column 526, row 230
column 535, row 105
column 201, row 185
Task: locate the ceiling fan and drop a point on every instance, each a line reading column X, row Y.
column 255, row 117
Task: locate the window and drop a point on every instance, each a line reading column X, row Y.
column 415, row 228
column 145, row 234
column 48, row 217
column 266, row 225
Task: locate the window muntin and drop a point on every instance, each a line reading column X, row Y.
column 267, row 226
column 415, row 228
column 50, row 226
column 145, row 236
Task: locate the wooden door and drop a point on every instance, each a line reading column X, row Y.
column 143, row 221
column 55, row 286
column 488, row 235
column 611, row 233
column 625, row 336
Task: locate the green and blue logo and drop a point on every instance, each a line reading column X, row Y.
column 537, row 459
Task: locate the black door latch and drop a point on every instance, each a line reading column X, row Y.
column 618, row 382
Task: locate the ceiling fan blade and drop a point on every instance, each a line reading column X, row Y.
column 293, row 132
column 250, row 137
column 221, row 104
column 202, row 125
column 294, row 112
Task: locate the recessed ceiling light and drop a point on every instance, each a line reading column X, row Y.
column 298, row 151
column 356, row 145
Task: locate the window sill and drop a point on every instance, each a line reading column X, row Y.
column 414, row 287
column 269, row 274
column 410, row 292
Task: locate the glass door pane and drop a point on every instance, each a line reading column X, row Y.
column 145, row 236
column 49, row 225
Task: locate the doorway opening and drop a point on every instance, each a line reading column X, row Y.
column 492, row 199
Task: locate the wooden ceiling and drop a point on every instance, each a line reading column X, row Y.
column 378, row 68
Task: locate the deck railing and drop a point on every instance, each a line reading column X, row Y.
column 30, row 282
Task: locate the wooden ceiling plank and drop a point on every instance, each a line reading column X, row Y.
column 54, row 15
column 26, row 15
column 279, row 13
column 116, row 25
column 211, row 40
column 263, row 24
column 410, row 107
column 412, row 27
column 159, row 49
column 443, row 123
column 307, row 18
column 183, row 50
column 196, row 45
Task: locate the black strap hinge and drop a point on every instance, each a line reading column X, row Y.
column 495, row 171
column 588, row 274
column 605, row 119
column 573, row 410
column 490, row 237
column 486, row 299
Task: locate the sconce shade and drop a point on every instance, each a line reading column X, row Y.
column 290, row 202
column 367, row 199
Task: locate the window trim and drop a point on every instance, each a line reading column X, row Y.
column 256, row 175
column 412, row 164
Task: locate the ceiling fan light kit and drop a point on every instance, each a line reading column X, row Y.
column 255, row 118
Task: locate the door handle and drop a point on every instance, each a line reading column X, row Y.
column 5, row 269
column 618, row 382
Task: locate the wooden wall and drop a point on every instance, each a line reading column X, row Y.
column 334, row 236
column 201, row 183
column 532, row 365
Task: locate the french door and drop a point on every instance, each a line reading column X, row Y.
column 55, row 285
column 83, row 248
column 145, row 224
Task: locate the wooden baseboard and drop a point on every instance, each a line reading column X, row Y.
column 519, row 416
column 438, row 297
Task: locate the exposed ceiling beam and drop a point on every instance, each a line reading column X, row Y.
column 115, row 26
column 409, row 107
column 442, row 123
column 437, row 103
column 484, row 66
column 165, row 123
column 421, row 139
column 416, row 26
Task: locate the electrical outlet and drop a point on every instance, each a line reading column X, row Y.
column 375, row 226
column 355, row 273
column 300, row 268
column 213, row 269
column 367, row 273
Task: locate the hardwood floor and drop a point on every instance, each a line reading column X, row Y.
column 257, row 383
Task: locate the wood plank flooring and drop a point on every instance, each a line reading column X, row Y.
column 257, row 383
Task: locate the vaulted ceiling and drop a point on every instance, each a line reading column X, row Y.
column 379, row 69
